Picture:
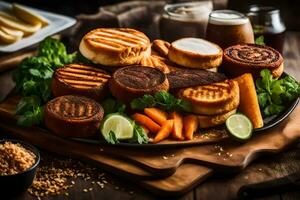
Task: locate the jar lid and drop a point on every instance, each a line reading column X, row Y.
column 259, row 10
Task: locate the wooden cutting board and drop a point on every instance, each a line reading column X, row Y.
column 185, row 167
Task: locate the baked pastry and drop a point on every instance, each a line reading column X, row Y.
column 73, row 116
column 161, row 47
column 252, row 58
column 208, row 121
column 248, row 100
column 160, row 63
column 213, row 99
column 115, row 46
column 193, row 77
column 131, row 82
column 195, row 53
column 75, row 79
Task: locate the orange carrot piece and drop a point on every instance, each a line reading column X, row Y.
column 190, row 125
column 147, row 131
column 178, row 125
column 157, row 115
column 164, row 132
column 146, row 121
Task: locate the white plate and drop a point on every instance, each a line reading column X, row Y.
column 57, row 24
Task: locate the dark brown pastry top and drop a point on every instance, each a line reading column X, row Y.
column 253, row 55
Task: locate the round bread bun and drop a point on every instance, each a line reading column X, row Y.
column 132, row 82
column 75, row 79
column 195, row 53
column 252, row 58
column 73, row 116
column 115, row 46
column 213, row 99
column 208, row 121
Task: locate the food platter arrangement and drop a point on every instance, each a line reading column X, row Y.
column 122, row 89
column 147, row 109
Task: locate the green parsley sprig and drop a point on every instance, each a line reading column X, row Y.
column 273, row 95
column 162, row 100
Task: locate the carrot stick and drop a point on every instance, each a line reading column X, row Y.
column 178, row 125
column 147, row 131
column 164, row 132
column 156, row 114
column 190, row 125
column 147, row 122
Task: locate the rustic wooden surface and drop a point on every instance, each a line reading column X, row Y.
column 265, row 168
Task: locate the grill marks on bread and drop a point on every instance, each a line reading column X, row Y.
column 117, row 39
column 83, row 77
column 73, row 107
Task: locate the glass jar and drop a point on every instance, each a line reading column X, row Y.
column 184, row 20
column 229, row 27
column 266, row 21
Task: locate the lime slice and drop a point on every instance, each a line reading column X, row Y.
column 239, row 126
column 120, row 125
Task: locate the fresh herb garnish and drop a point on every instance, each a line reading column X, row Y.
column 112, row 106
column 273, row 94
column 162, row 100
column 139, row 135
column 33, row 79
column 260, row 40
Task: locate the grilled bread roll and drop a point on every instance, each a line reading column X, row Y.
column 115, row 46
column 213, row 99
column 75, row 79
column 73, row 116
column 208, row 121
column 132, row 82
column 161, row 47
column 252, row 58
column 195, row 53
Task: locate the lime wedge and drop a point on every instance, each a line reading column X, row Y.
column 239, row 126
column 121, row 126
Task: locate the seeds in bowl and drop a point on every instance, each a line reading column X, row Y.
column 14, row 158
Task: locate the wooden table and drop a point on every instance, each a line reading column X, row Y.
column 265, row 168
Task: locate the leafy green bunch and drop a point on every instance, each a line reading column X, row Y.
column 162, row 100
column 274, row 94
column 33, row 79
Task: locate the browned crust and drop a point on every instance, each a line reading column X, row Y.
column 252, row 58
column 195, row 60
column 234, row 70
column 59, row 87
column 68, row 127
column 217, row 106
column 114, row 57
column 161, row 47
column 126, row 94
column 214, row 120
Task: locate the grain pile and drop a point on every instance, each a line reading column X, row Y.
column 57, row 177
column 14, row 158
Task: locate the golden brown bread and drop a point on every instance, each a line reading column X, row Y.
column 131, row 82
column 73, row 116
column 195, row 53
column 252, row 58
column 115, row 46
column 161, row 47
column 248, row 100
column 156, row 62
column 75, row 79
column 208, row 121
column 213, row 99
